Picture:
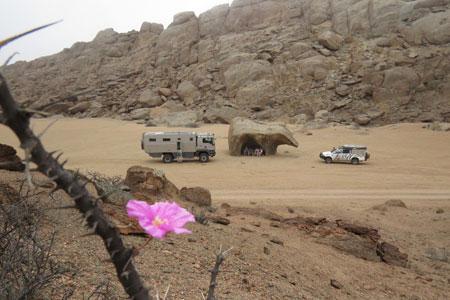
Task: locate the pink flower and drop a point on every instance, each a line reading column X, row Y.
column 160, row 218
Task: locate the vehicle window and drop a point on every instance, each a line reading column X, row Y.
column 152, row 140
column 346, row 151
column 166, row 140
column 208, row 141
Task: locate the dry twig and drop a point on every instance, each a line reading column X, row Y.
column 215, row 271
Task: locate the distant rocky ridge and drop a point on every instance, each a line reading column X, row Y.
column 370, row 61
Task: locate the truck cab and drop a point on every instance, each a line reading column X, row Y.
column 179, row 146
column 353, row 154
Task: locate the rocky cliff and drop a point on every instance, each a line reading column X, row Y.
column 364, row 61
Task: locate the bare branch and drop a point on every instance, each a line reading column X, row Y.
column 215, row 271
column 18, row 36
column 19, row 121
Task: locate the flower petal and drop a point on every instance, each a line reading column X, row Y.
column 155, row 232
column 139, row 209
column 181, row 230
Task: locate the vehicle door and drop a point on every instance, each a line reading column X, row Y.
column 337, row 155
column 345, row 155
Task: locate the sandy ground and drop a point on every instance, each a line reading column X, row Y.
column 407, row 163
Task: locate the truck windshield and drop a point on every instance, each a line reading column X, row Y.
column 208, row 140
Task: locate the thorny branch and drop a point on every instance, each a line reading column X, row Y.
column 19, row 122
column 18, row 36
column 215, row 271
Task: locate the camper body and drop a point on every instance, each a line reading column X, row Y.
column 178, row 146
column 347, row 153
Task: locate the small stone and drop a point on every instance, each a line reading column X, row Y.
column 336, row 284
column 343, row 90
column 225, row 206
column 277, row 241
column 245, row 229
column 290, row 210
column 266, row 251
column 439, row 211
column 219, row 220
column 275, row 224
column 395, row 203
column 192, row 240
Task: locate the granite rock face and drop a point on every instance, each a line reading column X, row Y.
column 269, row 59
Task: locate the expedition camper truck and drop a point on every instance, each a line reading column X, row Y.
column 179, row 145
column 347, row 153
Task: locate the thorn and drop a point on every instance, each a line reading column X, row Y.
column 127, row 263
column 64, row 163
column 114, row 253
column 108, row 242
column 76, row 175
column 47, row 173
column 94, row 227
column 84, row 184
column 58, row 156
column 53, row 178
column 50, row 154
column 125, row 274
column 79, row 196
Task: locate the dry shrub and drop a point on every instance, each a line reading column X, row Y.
column 26, row 263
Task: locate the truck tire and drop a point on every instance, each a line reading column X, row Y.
column 167, row 158
column 328, row 160
column 203, row 157
column 355, row 161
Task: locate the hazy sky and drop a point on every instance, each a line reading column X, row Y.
column 82, row 19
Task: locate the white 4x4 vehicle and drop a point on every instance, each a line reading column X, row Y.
column 347, row 153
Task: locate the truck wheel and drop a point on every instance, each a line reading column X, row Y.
column 203, row 157
column 167, row 158
column 355, row 161
column 328, row 160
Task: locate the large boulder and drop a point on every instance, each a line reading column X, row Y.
column 150, row 184
column 211, row 22
column 9, row 159
column 330, row 40
column 188, row 118
column 188, row 92
column 239, row 75
column 221, row 115
column 197, row 195
column 80, row 107
column 244, row 133
column 177, row 45
column 149, row 98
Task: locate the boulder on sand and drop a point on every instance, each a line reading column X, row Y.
column 244, row 133
column 9, row 159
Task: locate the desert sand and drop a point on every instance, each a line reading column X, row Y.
column 407, row 163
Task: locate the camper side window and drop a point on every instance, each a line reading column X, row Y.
column 152, row 140
column 346, row 151
column 166, row 140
